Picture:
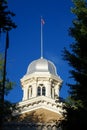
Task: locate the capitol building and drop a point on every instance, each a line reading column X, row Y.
column 41, row 107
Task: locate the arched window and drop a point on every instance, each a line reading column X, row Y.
column 38, row 91
column 31, row 91
column 51, row 91
column 43, row 91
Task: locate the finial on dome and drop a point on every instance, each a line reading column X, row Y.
column 41, row 57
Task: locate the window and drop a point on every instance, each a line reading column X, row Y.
column 51, row 91
column 31, row 92
column 38, row 91
column 43, row 91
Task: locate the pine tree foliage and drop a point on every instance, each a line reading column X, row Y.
column 6, row 15
column 8, row 87
column 6, row 24
column 77, row 56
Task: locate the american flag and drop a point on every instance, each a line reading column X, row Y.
column 42, row 21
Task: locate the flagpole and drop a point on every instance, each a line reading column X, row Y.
column 5, row 60
column 4, row 68
column 41, row 40
column 4, row 79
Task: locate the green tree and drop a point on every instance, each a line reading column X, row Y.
column 5, row 112
column 77, row 59
column 9, row 84
column 6, row 24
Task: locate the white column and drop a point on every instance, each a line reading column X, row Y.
column 34, row 90
column 25, row 93
column 57, row 89
column 48, row 89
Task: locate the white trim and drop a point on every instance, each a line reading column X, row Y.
column 39, row 102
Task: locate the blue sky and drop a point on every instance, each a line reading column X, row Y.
column 25, row 39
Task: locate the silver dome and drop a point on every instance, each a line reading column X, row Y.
column 41, row 65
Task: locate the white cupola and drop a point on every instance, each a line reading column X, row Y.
column 41, row 79
column 40, row 86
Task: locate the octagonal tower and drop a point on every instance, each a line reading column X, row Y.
column 41, row 85
column 41, row 79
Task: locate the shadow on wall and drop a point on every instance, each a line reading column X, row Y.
column 27, row 126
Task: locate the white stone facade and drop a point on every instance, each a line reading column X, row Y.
column 40, row 86
column 48, row 84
